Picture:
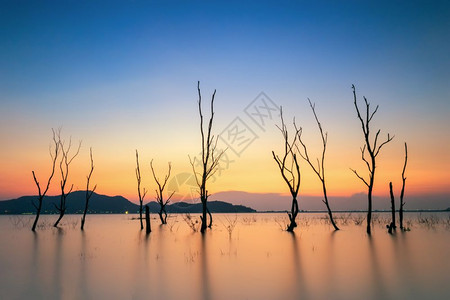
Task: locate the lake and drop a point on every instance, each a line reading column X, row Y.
column 255, row 259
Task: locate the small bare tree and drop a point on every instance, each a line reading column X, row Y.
column 54, row 153
column 160, row 193
column 320, row 169
column 209, row 161
column 144, row 192
column 402, row 193
column 88, row 192
column 64, row 165
column 290, row 169
column 148, row 226
column 372, row 148
column 392, row 225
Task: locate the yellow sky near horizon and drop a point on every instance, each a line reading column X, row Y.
column 254, row 171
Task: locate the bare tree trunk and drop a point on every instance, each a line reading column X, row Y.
column 88, row 193
column 203, row 216
column 165, row 215
column 161, row 217
column 293, row 216
column 372, row 148
column 148, row 228
column 400, row 212
column 38, row 213
column 61, row 215
column 141, row 196
column 41, row 196
column 210, row 217
column 392, row 226
column 330, row 214
column 369, row 201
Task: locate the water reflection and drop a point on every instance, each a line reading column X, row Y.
column 58, row 264
column 377, row 277
column 329, row 259
column 299, row 280
column 32, row 287
column 83, row 280
column 113, row 259
column 204, row 270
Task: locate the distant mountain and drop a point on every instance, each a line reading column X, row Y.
column 100, row 204
column 75, row 204
column 213, row 206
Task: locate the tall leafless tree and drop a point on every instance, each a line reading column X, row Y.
column 372, row 148
column 88, row 192
column 54, row 153
column 320, row 169
column 64, row 165
column 144, row 191
column 402, row 193
column 160, row 193
column 209, row 161
column 289, row 169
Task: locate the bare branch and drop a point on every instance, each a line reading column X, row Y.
column 363, row 150
column 389, row 138
column 362, row 179
column 357, row 110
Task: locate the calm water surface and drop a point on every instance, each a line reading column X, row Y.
column 114, row 259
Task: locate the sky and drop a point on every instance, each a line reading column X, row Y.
column 122, row 75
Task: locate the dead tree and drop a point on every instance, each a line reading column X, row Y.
column 290, row 169
column 64, row 165
column 392, row 225
column 209, row 161
column 144, row 192
column 320, row 169
column 148, row 227
column 54, row 153
column 372, row 148
column 160, row 193
column 402, row 193
column 88, row 192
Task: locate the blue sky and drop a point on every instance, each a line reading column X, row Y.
column 75, row 44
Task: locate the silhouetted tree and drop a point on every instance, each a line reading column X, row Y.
column 320, row 169
column 290, row 169
column 144, row 192
column 160, row 193
column 402, row 193
column 88, row 192
column 210, row 159
column 148, row 227
column 392, row 225
column 64, row 165
column 372, row 148
column 54, row 153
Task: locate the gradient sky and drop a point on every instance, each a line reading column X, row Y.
column 122, row 75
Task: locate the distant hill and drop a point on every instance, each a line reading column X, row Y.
column 101, row 204
column 213, row 206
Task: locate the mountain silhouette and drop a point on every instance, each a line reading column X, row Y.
column 102, row 204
